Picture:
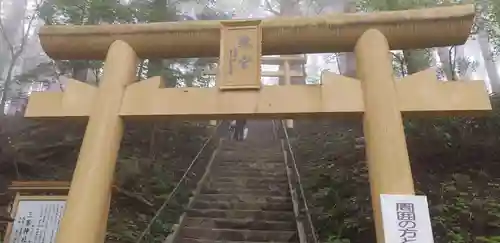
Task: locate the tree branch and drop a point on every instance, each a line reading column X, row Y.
column 57, row 75
column 6, row 37
column 25, row 37
column 453, row 59
column 270, row 8
column 319, row 9
column 400, row 59
column 133, row 196
column 402, row 63
column 15, row 54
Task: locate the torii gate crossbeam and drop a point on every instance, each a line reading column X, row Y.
column 338, row 32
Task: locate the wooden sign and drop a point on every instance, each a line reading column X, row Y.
column 36, row 219
column 406, row 218
column 240, row 55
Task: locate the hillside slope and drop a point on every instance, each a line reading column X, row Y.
column 455, row 162
column 149, row 165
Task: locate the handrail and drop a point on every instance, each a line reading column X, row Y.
column 275, row 133
column 172, row 193
column 293, row 193
column 297, row 174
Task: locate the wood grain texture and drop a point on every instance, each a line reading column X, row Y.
column 409, row 29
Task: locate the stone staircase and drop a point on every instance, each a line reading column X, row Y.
column 245, row 196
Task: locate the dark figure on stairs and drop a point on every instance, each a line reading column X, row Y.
column 240, row 129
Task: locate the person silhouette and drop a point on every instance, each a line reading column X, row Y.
column 240, row 129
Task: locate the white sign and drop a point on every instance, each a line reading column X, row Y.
column 36, row 221
column 406, row 219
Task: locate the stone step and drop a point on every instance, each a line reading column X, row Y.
column 258, row 153
column 226, row 205
column 242, row 224
column 238, row 190
column 244, row 198
column 231, row 172
column 242, row 214
column 261, row 169
column 248, row 185
column 268, row 144
column 191, row 240
column 268, row 179
column 250, row 154
column 265, row 144
column 238, row 235
column 250, row 159
column 265, row 147
column 255, row 168
column 279, row 161
column 251, row 165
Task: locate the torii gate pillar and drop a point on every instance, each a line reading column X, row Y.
column 386, row 151
column 85, row 221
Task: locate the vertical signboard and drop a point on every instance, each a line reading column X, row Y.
column 240, row 54
column 36, row 219
column 406, row 219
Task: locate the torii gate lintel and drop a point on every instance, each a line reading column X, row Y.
column 337, row 97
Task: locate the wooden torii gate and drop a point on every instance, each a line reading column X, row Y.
column 375, row 96
column 287, row 76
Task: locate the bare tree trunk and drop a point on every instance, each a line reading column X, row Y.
column 157, row 67
column 6, row 88
column 348, row 60
column 461, row 62
column 12, row 27
column 16, row 49
column 80, row 72
column 140, row 70
column 484, row 45
column 455, row 64
column 415, row 61
column 291, row 8
column 444, row 56
column 489, row 63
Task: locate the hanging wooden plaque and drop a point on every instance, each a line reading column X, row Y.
column 240, row 55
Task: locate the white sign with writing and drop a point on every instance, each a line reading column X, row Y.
column 406, row 219
column 36, row 221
